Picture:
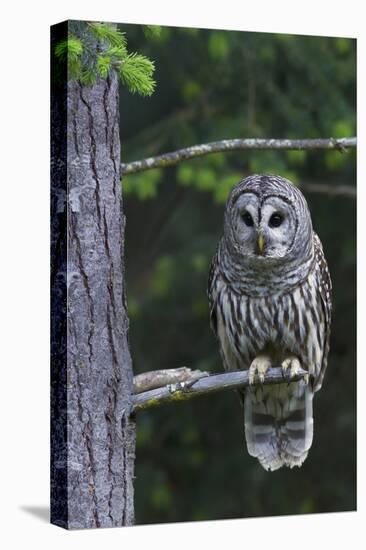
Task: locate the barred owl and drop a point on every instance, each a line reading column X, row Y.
column 269, row 293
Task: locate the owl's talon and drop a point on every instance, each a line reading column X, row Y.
column 290, row 367
column 186, row 386
column 259, row 367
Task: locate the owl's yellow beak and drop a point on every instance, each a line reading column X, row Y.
column 261, row 243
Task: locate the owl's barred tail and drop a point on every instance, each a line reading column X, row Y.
column 279, row 424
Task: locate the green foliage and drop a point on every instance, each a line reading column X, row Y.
column 218, row 160
column 269, row 162
column 143, row 184
column 109, row 35
column 185, row 173
column 104, row 65
column 199, row 262
column 161, row 497
column 191, row 31
column 343, row 128
column 296, row 158
column 224, row 186
column 285, row 38
column 334, row 162
column 136, row 72
column 204, row 178
column 218, row 45
column 152, row 31
column 210, row 174
column 204, row 175
column 191, row 90
column 133, row 307
column 70, row 50
column 343, row 45
column 163, row 276
column 87, row 62
column 118, row 52
column 87, row 76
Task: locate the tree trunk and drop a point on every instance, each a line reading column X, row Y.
column 92, row 433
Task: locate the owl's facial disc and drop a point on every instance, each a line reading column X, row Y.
column 264, row 228
column 278, row 225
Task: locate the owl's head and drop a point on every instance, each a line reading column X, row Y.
column 267, row 218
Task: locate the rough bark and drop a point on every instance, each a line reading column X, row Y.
column 91, row 365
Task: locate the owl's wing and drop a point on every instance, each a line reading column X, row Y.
column 216, row 280
column 325, row 293
column 212, row 293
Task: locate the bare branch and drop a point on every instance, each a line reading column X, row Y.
column 158, row 378
column 168, row 159
column 183, row 391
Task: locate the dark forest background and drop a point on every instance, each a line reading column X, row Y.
column 191, row 461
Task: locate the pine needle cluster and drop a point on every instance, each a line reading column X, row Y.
column 93, row 50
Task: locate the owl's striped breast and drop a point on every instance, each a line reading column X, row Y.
column 287, row 322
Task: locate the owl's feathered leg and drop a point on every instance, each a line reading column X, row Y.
column 259, row 367
column 290, row 366
column 279, row 423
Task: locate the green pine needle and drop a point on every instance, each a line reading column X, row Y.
column 87, row 76
column 104, row 63
column 136, row 73
column 135, row 70
column 110, row 35
column 71, row 48
column 152, row 31
column 118, row 52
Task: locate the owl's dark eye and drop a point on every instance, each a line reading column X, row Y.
column 275, row 220
column 247, row 219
